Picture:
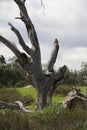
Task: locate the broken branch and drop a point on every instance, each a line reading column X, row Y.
column 21, row 41
column 53, row 56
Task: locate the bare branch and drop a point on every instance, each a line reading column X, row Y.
column 21, row 41
column 9, row 44
column 22, row 57
column 18, row 18
column 17, row 105
column 42, row 4
column 21, row 2
column 8, row 105
column 53, row 56
column 26, row 19
column 22, row 108
column 36, row 57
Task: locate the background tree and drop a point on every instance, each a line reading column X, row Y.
column 43, row 80
column 72, row 77
column 2, row 60
column 12, row 74
column 83, row 73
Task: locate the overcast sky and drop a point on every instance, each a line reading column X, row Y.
column 62, row 19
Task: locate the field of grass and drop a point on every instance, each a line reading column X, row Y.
column 27, row 91
column 84, row 90
column 31, row 91
column 52, row 118
column 16, row 93
column 57, row 98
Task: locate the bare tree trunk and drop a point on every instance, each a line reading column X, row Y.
column 47, row 90
column 43, row 80
column 44, row 99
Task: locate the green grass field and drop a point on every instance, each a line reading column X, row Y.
column 57, row 98
column 25, row 92
column 52, row 118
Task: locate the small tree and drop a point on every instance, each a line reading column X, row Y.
column 43, row 80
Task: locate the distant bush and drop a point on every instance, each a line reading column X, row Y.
column 20, row 84
column 63, row 90
column 12, row 74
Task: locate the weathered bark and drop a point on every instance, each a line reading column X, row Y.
column 48, row 88
column 17, row 105
column 75, row 100
column 43, row 80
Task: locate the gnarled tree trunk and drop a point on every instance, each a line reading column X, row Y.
column 43, row 80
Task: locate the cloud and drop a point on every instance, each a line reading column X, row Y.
column 5, row 51
column 73, row 57
column 62, row 19
column 66, row 20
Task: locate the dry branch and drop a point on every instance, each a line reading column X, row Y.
column 21, row 41
column 27, row 21
column 53, row 56
column 10, row 45
column 17, row 105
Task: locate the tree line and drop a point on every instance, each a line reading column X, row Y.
column 13, row 75
column 77, row 78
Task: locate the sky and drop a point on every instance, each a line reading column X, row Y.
column 65, row 20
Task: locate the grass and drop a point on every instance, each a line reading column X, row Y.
column 52, row 118
column 60, row 119
column 31, row 91
column 27, row 91
column 62, row 91
column 12, row 95
column 84, row 90
column 58, row 97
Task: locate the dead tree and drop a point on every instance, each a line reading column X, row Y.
column 43, row 80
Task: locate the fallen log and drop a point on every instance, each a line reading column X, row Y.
column 75, row 99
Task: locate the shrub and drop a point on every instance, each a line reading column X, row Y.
column 63, row 90
column 12, row 120
column 52, row 118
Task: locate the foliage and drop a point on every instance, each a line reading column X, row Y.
column 12, row 75
column 52, row 118
column 63, row 90
column 57, row 118
column 83, row 72
column 77, row 77
column 13, row 121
